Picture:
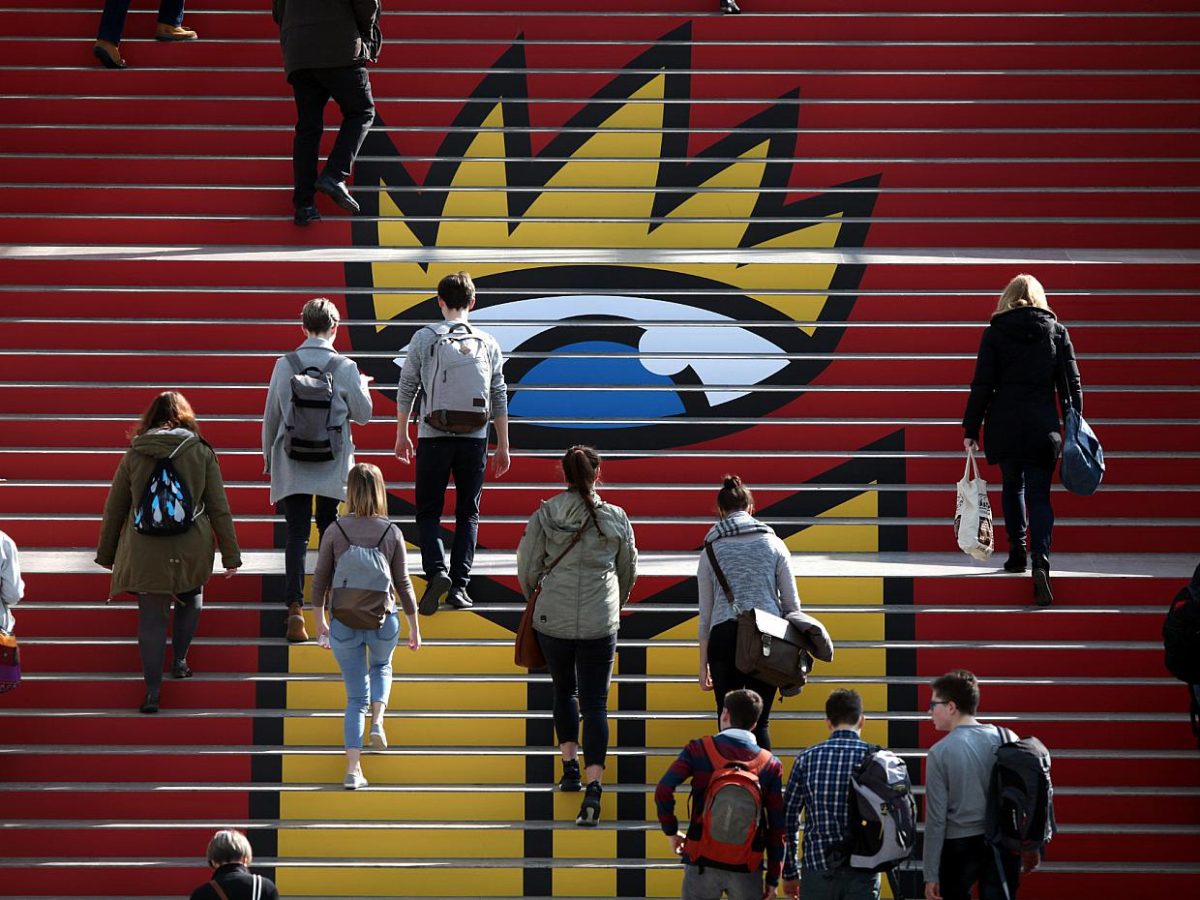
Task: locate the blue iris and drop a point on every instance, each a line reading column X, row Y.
column 594, row 404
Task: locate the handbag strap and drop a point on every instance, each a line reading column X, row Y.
column 574, row 540
column 721, row 579
column 217, row 890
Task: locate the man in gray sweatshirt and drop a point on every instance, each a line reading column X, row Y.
column 957, row 775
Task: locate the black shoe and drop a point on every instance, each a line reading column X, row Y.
column 306, row 214
column 1018, row 559
column 180, row 669
column 730, row 7
column 336, row 190
column 589, row 810
column 571, row 780
column 435, row 589
column 150, row 701
column 1042, row 595
column 458, row 599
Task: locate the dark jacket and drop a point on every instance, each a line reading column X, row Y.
column 326, row 34
column 1025, row 356
column 166, row 564
column 235, row 881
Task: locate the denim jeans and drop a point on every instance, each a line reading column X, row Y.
column 112, row 20
column 842, row 883
column 350, row 88
column 297, row 510
column 1027, row 486
column 437, row 459
column 968, row 860
column 709, row 884
column 581, row 672
column 365, row 657
column 726, row 677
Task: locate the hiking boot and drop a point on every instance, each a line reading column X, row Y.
column 1018, row 559
column 435, row 589
column 1042, row 595
column 571, row 780
column 296, row 632
column 459, row 599
column 173, row 33
column 589, row 810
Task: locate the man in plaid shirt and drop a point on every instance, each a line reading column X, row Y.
column 818, row 788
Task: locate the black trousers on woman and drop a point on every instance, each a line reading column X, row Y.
column 581, row 671
column 726, row 677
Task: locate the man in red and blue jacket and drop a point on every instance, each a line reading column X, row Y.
column 736, row 743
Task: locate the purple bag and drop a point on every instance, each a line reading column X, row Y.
column 10, row 662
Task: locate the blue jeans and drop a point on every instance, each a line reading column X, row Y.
column 1027, row 486
column 112, row 20
column 437, row 459
column 842, row 883
column 365, row 657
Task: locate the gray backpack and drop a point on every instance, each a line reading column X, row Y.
column 308, row 433
column 362, row 584
column 457, row 393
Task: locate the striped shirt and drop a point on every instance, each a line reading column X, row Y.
column 693, row 762
column 817, row 788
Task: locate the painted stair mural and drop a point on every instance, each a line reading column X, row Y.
column 763, row 244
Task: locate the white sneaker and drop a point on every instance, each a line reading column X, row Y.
column 354, row 781
column 378, row 738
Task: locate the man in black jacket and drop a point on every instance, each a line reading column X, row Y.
column 326, row 47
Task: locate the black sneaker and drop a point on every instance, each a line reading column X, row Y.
column 435, row 590
column 305, row 214
column 571, row 780
column 730, row 7
column 459, row 599
column 589, row 810
column 180, row 669
column 1042, row 595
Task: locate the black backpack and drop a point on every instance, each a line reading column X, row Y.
column 1181, row 643
column 166, row 506
column 881, row 817
column 309, row 435
column 1020, row 807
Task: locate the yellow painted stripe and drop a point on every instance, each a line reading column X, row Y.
column 590, row 882
column 451, row 880
column 407, row 731
column 664, row 882
column 585, row 843
column 409, row 843
column 385, row 768
column 418, row 806
column 494, row 660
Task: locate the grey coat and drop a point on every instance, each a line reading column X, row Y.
column 327, row 34
column 351, row 402
column 581, row 598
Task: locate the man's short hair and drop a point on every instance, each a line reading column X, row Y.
column 960, row 686
column 457, row 290
column 744, row 707
column 844, row 707
column 229, row 846
column 319, row 316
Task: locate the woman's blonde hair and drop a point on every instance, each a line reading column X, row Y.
column 365, row 492
column 1024, row 290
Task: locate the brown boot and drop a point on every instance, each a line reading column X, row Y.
column 108, row 54
column 296, row 632
column 173, row 33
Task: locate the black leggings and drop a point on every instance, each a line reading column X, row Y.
column 968, row 860
column 152, row 630
column 726, row 677
column 581, row 671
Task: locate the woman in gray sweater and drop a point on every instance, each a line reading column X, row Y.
column 758, row 567
column 581, row 551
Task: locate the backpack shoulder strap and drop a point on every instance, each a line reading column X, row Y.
column 256, row 887
column 756, row 765
column 710, row 750
column 343, row 531
column 383, row 537
column 293, row 359
column 335, row 360
column 217, row 890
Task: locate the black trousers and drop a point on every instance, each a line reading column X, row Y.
column 726, row 677
column 297, row 510
column 581, row 672
column 153, row 610
column 968, row 860
column 350, row 88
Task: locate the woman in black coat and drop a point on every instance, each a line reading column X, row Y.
column 1025, row 358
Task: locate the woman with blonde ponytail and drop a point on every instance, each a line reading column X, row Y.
column 580, row 551
column 758, row 568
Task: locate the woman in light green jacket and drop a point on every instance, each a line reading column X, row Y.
column 581, row 551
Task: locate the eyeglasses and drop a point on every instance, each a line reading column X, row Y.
column 933, row 703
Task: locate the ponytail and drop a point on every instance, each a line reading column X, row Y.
column 581, row 468
column 734, row 496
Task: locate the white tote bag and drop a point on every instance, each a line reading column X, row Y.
column 973, row 516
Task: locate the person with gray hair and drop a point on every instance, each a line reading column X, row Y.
column 229, row 855
column 314, row 395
